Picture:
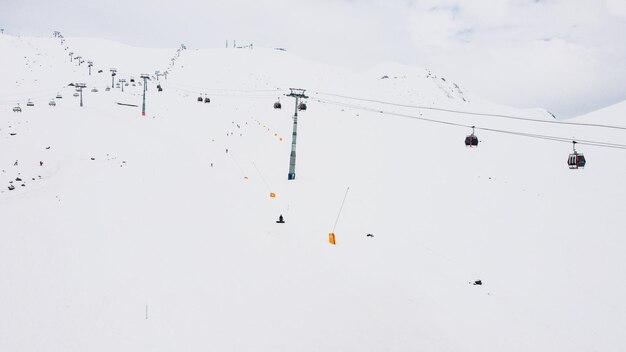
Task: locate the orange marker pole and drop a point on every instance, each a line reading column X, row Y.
column 331, row 236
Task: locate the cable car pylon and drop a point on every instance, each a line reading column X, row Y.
column 298, row 94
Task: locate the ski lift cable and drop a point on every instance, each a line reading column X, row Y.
column 41, row 95
column 478, row 113
column 200, row 90
column 530, row 135
column 226, row 94
column 522, row 134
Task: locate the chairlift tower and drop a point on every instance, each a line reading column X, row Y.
column 71, row 54
column 298, row 94
column 89, row 64
column 145, row 88
column 113, row 73
column 80, row 87
column 79, row 61
column 122, row 81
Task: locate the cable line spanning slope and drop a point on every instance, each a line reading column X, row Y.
column 246, row 93
column 522, row 134
column 476, row 113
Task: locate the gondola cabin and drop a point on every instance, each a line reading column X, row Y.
column 277, row 105
column 52, row 103
column 200, row 99
column 75, row 94
column 94, row 90
column 471, row 140
column 108, row 89
column 207, row 100
column 576, row 160
column 302, row 106
column 17, row 109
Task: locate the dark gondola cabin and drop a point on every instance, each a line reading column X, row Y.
column 207, row 100
column 277, row 105
column 471, row 140
column 17, row 109
column 200, row 99
column 302, row 106
column 576, row 160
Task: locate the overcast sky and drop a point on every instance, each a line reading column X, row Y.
column 568, row 56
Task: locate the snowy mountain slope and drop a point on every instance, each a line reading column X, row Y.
column 149, row 222
column 128, row 60
column 26, row 62
column 614, row 114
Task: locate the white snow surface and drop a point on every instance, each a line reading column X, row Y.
column 127, row 239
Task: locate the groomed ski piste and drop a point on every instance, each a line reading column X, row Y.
column 158, row 233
